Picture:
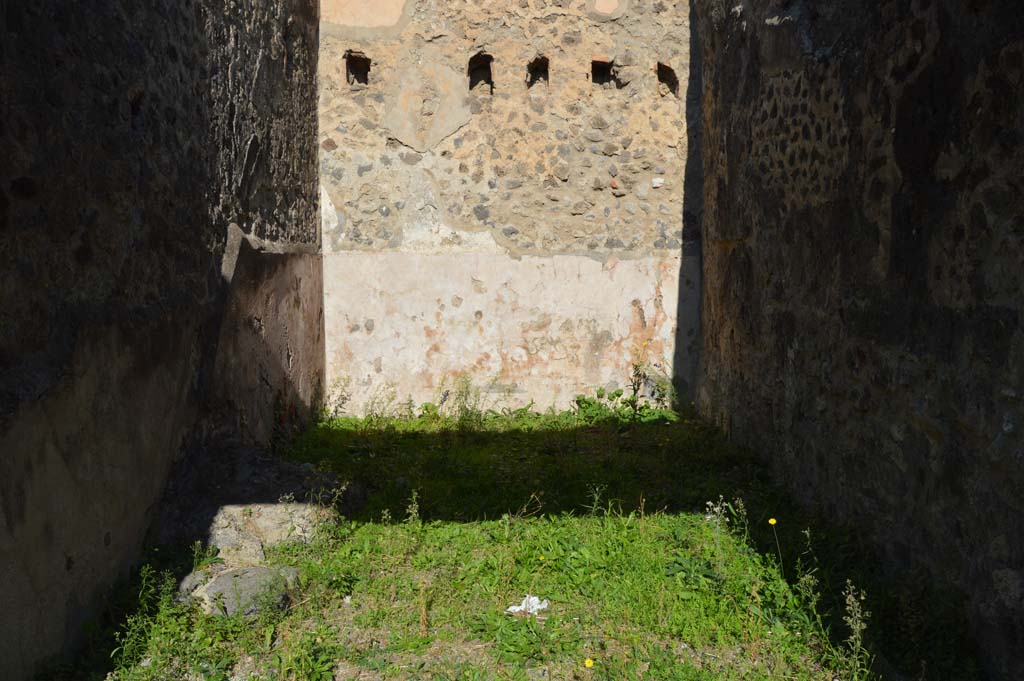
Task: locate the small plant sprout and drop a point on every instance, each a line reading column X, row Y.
column 855, row 618
column 412, row 511
column 423, row 608
column 773, row 522
column 715, row 511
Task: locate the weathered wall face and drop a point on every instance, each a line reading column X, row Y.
column 864, row 248
column 529, row 237
column 135, row 139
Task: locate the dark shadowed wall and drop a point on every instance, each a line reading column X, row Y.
column 158, row 219
column 864, row 265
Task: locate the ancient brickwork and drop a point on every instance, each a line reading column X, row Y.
column 503, row 194
column 864, row 248
column 157, row 203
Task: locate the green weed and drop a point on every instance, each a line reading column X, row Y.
column 603, row 510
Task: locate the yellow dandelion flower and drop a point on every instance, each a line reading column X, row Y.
column 588, row 663
column 541, row 556
column 772, row 521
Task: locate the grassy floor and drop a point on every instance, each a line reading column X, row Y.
column 647, row 533
column 655, row 596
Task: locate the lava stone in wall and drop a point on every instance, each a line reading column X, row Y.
column 132, row 137
column 864, row 250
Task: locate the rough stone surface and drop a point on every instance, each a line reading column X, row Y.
column 532, row 182
column 238, row 502
column 133, row 137
column 246, row 590
column 864, row 250
column 242, row 532
column 242, row 499
column 433, row 87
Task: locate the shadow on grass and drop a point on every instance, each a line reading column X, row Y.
column 545, row 465
column 527, row 464
column 483, row 471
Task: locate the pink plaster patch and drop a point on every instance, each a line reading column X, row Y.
column 365, row 13
column 607, row 6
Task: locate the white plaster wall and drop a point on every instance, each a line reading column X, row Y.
column 405, row 324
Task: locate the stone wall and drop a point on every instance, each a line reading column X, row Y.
column 157, row 202
column 864, row 249
column 526, row 233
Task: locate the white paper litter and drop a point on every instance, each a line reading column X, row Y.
column 531, row 605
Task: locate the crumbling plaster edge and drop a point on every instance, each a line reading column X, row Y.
column 234, row 244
